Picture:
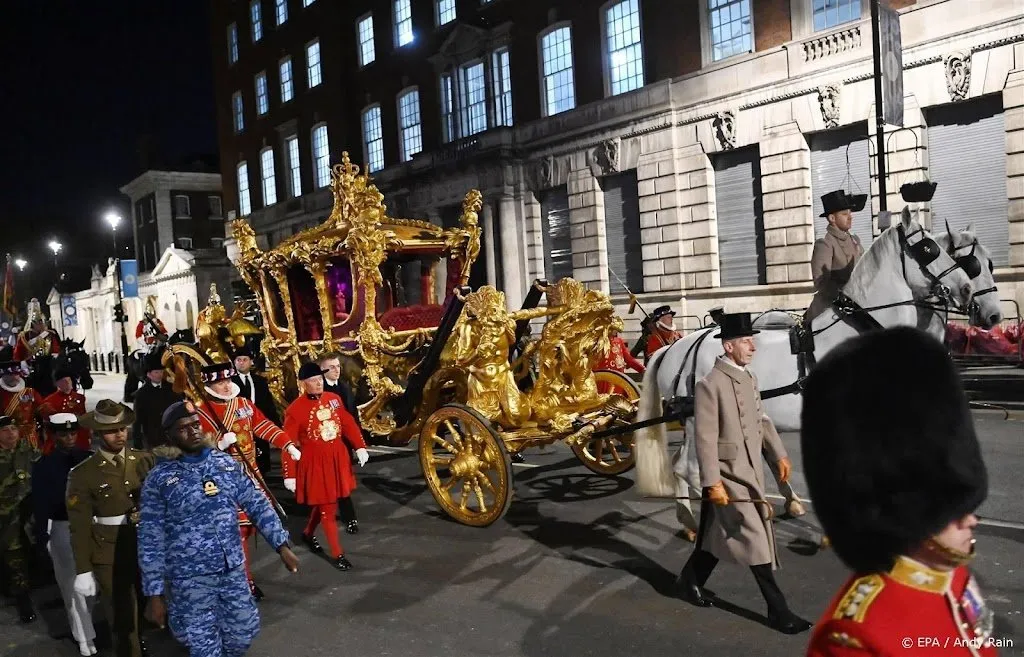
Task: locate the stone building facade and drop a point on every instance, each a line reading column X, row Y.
column 700, row 187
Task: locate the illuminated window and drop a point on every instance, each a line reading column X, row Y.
column 238, row 111
column 257, row 20
column 268, row 176
column 445, row 11
column 262, row 100
column 291, row 149
column 402, row 18
column 473, row 99
column 321, row 157
column 244, row 207
column 373, row 139
column 501, row 82
column 556, row 58
column 409, row 124
column 281, row 11
column 287, row 84
column 232, row 43
column 364, row 30
column 625, row 54
column 313, row 64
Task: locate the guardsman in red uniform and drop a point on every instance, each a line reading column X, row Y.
column 320, row 424
column 36, row 340
column 230, row 423
column 618, row 357
column 65, row 400
column 895, row 471
column 20, row 402
column 662, row 330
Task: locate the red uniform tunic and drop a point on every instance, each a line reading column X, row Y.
column 24, row 352
column 911, row 610
column 321, row 427
column 24, row 408
column 241, row 417
column 659, row 338
column 617, row 359
column 58, row 402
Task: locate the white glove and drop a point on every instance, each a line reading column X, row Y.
column 289, row 485
column 293, row 452
column 362, row 456
column 227, row 440
column 85, row 584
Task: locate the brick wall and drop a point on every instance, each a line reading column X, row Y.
column 772, row 24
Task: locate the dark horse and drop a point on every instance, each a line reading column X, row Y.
column 72, row 357
column 135, row 368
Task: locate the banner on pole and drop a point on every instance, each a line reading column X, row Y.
column 9, row 306
column 890, row 40
column 129, row 278
column 69, row 310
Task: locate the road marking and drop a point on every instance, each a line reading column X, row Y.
column 1006, row 524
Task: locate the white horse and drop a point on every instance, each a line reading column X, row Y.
column 893, row 281
column 975, row 260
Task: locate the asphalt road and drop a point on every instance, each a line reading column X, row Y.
column 579, row 566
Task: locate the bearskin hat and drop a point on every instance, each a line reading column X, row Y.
column 889, row 448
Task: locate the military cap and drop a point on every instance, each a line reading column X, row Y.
column 310, row 370
column 63, row 422
column 175, row 412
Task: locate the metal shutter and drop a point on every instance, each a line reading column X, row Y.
column 829, row 152
column 622, row 230
column 967, row 157
column 740, row 224
column 554, row 218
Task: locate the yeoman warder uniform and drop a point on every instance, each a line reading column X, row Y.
column 891, row 459
column 20, row 402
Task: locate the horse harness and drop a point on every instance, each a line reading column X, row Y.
column 923, row 252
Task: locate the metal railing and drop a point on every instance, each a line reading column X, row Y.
column 110, row 361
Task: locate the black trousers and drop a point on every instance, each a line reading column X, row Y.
column 701, row 563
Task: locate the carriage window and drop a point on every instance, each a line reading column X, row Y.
column 305, row 305
column 277, row 314
column 339, row 289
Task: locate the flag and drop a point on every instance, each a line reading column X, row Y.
column 129, row 278
column 9, row 306
column 69, row 310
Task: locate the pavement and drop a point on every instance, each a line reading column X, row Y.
column 580, row 565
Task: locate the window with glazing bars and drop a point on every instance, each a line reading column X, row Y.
column 238, row 111
column 364, row 30
column 321, row 157
column 256, row 13
column 287, row 84
column 268, row 176
column 730, row 27
column 262, row 101
column 291, row 148
column 830, row 13
column 244, row 207
column 444, row 12
column 281, row 11
column 373, row 139
column 448, row 108
column 625, row 53
column 501, row 81
column 409, row 124
column 313, row 64
column 402, row 19
column 473, row 99
column 556, row 57
column 232, row 43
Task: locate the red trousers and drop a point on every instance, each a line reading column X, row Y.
column 324, row 513
column 247, row 531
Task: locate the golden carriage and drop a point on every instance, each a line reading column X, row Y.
column 438, row 360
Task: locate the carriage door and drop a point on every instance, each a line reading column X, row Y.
column 557, row 242
column 967, row 158
column 829, row 153
column 740, row 220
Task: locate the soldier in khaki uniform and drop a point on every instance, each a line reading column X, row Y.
column 732, row 430
column 16, row 460
column 102, row 502
column 835, row 254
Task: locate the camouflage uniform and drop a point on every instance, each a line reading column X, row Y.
column 15, row 512
column 188, row 539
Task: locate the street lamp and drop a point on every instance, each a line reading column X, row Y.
column 114, row 219
column 56, row 246
column 20, row 263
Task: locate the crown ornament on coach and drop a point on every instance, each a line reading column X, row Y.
column 890, row 452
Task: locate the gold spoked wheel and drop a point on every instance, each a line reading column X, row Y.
column 466, row 465
column 613, row 455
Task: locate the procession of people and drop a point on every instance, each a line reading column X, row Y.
column 158, row 522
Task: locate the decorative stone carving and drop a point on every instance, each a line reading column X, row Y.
column 724, row 125
column 958, row 75
column 828, row 101
column 546, row 173
column 604, row 158
column 832, row 44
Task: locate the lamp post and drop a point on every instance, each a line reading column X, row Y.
column 114, row 219
column 56, row 246
column 20, row 263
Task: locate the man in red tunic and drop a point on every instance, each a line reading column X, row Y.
column 662, row 330
column 36, row 340
column 618, row 357
column 19, row 402
column 230, row 423
column 65, row 400
column 318, row 421
column 895, row 471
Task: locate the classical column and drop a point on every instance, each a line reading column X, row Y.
column 488, row 246
column 513, row 259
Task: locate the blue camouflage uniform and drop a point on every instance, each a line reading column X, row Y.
column 188, row 536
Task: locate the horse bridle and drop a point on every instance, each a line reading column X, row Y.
column 969, row 263
column 925, row 251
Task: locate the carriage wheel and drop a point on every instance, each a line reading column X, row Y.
column 466, row 465
column 613, row 455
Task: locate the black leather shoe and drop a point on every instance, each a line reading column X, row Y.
column 26, row 612
column 257, row 592
column 341, row 563
column 790, row 624
column 312, row 544
column 692, row 592
column 518, row 458
column 353, row 527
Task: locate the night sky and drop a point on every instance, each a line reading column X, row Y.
column 83, row 86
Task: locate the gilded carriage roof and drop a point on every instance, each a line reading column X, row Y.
column 358, row 206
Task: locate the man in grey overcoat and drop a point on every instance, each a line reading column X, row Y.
column 732, row 432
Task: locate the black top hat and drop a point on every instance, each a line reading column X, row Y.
column 10, row 367
column 736, row 325
column 661, row 311
column 218, row 372
column 836, row 201
column 890, row 453
column 63, row 373
column 309, row 370
column 152, row 362
column 6, row 421
column 243, row 351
